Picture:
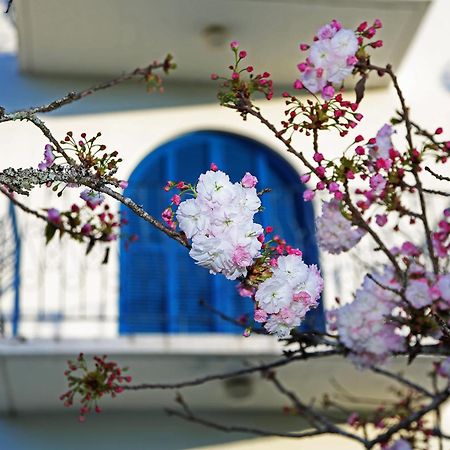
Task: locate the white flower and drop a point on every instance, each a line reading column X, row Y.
column 344, row 43
column 291, row 291
column 363, row 325
column 215, row 188
column 418, row 293
column 192, row 217
column 274, row 294
column 335, row 233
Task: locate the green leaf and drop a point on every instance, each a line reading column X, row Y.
column 50, row 231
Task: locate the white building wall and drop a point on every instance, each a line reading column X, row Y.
column 64, row 275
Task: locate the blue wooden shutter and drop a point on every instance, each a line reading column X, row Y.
column 160, row 286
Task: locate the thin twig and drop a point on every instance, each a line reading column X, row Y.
column 236, row 373
column 436, row 175
column 438, row 399
column 321, row 422
column 402, row 380
column 37, row 214
column 240, row 428
column 75, row 96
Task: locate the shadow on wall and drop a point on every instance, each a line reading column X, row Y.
column 20, row 91
column 131, row 430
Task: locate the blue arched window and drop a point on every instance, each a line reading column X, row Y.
column 160, row 285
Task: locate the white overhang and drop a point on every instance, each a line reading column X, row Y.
column 108, row 37
column 31, row 373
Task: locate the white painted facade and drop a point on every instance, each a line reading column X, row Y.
column 135, row 123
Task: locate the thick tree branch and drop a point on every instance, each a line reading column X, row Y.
column 23, row 181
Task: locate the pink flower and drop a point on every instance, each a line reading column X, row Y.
column 249, row 181
column 234, row 45
column 49, row 158
column 123, row 184
column 241, row 257
column 244, row 291
column 260, row 315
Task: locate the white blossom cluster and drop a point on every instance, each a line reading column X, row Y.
column 331, row 59
column 219, row 220
column 285, row 298
column 364, row 326
column 335, row 233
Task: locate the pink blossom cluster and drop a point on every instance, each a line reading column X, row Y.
column 284, row 299
column 332, row 58
column 363, row 325
column 219, row 220
column 335, row 233
column 400, row 444
column 425, row 289
column 49, row 158
column 441, row 238
column 383, row 143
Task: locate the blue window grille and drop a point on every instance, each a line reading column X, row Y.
column 160, row 285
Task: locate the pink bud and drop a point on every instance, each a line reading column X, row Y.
column 320, row 171
column 318, row 157
column 359, row 138
column 213, row 167
column 381, row 220
column 362, row 26
column 305, row 178
column 308, row 195
column 176, row 199
column 320, row 186
column 234, row 45
column 298, row 85
column 377, row 23
column 214, row 76
column 123, row 184
column 304, row 47
column 333, row 187
column 235, row 76
column 328, row 92
column 246, row 332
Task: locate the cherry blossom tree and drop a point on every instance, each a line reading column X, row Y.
column 401, row 309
